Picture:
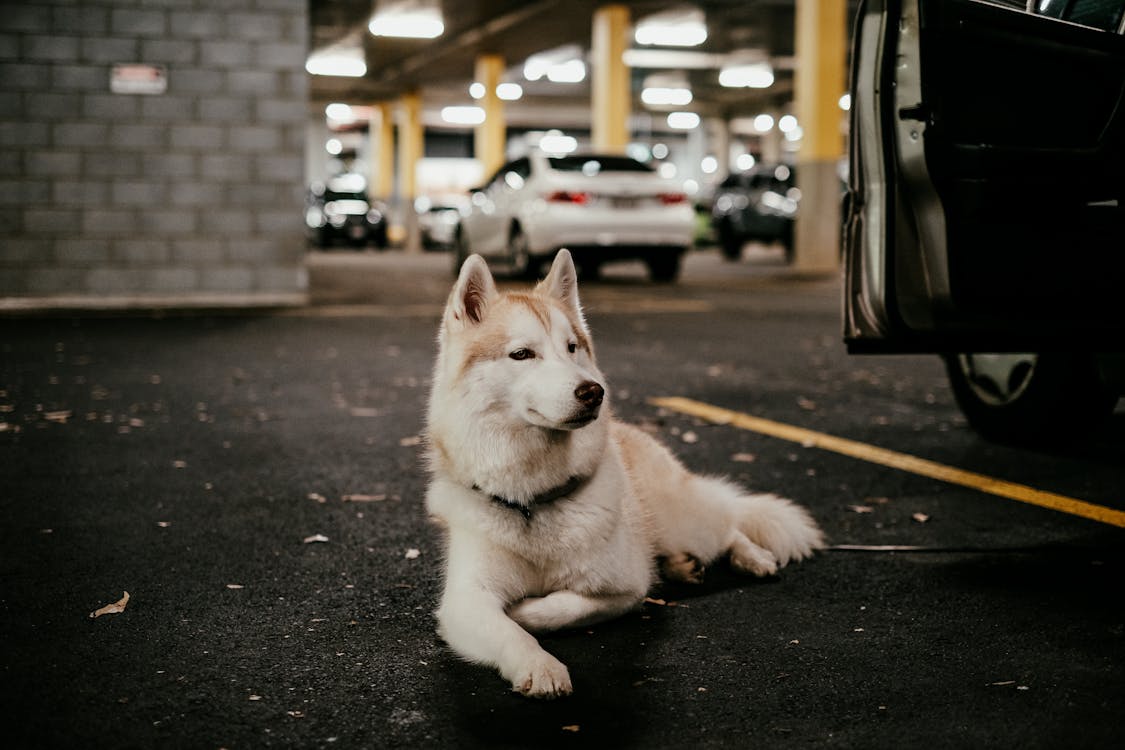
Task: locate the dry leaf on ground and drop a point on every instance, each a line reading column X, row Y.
column 861, row 509
column 315, row 538
column 744, row 458
column 412, row 553
column 409, row 442
column 364, row 498
column 112, row 609
column 920, row 517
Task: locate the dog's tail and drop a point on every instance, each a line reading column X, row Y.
column 775, row 523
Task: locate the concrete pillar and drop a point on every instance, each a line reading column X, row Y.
column 381, row 131
column 410, row 143
column 821, row 47
column 490, row 137
column 611, row 98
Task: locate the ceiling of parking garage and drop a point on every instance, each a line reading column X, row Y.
column 442, row 68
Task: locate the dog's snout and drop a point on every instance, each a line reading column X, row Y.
column 589, row 393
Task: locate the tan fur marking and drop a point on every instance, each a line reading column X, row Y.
column 488, row 340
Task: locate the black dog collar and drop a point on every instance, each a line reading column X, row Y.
column 543, row 498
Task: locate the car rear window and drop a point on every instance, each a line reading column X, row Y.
column 594, row 164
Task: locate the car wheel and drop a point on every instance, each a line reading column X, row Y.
column 461, row 251
column 665, row 267
column 381, row 238
column 729, row 242
column 1029, row 398
column 519, row 254
column 787, row 241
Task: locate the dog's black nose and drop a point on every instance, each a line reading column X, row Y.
column 589, row 393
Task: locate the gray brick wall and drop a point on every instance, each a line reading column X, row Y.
column 195, row 194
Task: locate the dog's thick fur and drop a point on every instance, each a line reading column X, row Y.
column 556, row 514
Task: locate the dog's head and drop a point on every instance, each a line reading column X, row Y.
column 520, row 356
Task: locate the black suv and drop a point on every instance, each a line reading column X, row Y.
column 760, row 205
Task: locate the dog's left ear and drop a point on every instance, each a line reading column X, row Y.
column 562, row 282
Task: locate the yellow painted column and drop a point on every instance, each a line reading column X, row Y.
column 611, row 97
column 410, row 145
column 490, row 137
column 381, row 130
column 821, row 47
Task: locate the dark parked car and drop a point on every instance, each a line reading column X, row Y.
column 757, row 205
column 984, row 219
column 340, row 212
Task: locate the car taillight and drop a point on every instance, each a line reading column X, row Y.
column 568, row 196
column 669, row 199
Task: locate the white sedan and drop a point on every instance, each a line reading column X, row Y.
column 600, row 207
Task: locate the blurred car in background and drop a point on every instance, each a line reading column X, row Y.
column 341, row 213
column 438, row 220
column 601, row 207
column 957, row 238
column 758, row 205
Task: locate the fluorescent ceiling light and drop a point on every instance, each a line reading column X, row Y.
column 672, row 59
column 661, row 96
column 683, row 120
column 477, row 90
column 757, row 75
column 509, row 92
column 745, row 161
column 339, row 112
column 571, row 71
column 462, row 115
column 787, row 124
column 680, row 28
column 763, row 123
column 407, row 20
column 554, row 142
column 560, row 65
column 346, row 62
column 846, row 102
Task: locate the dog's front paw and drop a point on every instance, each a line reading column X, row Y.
column 547, row 677
column 748, row 558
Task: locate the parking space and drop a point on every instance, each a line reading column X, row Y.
column 197, row 462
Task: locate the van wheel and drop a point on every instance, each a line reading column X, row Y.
column 1029, row 399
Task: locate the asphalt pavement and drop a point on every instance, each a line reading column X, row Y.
column 253, row 481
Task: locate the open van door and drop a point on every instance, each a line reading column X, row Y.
column 985, row 210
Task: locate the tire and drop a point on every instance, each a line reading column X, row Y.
column 664, row 268
column 461, row 251
column 729, row 242
column 787, row 241
column 1029, row 399
column 519, row 255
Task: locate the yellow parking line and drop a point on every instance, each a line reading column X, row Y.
column 895, row 460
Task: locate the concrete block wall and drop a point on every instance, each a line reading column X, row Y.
column 193, row 196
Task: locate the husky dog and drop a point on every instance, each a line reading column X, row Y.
column 556, row 515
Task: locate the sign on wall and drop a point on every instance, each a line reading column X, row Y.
column 135, row 78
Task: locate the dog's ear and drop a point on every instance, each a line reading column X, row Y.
column 562, row 282
column 472, row 293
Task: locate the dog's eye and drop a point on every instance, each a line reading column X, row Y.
column 572, row 347
column 519, row 354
